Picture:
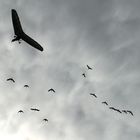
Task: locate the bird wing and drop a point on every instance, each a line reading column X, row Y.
column 30, row 41
column 16, row 23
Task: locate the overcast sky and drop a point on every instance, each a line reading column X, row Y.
column 104, row 34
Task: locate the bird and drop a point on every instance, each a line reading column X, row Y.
column 130, row 112
column 20, row 111
column 112, row 108
column 124, row 111
column 118, row 110
column 34, row 109
column 51, row 90
column 84, row 74
column 11, row 79
column 93, row 95
column 27, row 86
column 46, row 120
column 105, row 103
column 89, row 68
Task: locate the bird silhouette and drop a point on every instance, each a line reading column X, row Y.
column 130, row 112
column 46, row 120
column 11, row 79
column 26, row 86
column 112, row 108
column 84, row 75
column 51, row 90
column 20, row 111
column 93, row 95
column 105, row 103
column 89, row 68
column 124, row 111
column 118, row 110
column 34, row 109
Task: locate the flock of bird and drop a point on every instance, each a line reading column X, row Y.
column 104, row 102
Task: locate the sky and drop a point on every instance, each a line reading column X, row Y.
column 103, row 34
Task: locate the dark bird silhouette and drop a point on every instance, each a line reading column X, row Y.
column 11, row 79
column 89, row 68
column 20, row 111
column 112, row 108
column 26, row 86
column 84, row 75
column 93, row 95
column 105, row 103
column 46, row 120
column 19, row 33
column 130, row 112
column 118, row 110
column 51, row 90
column 124, row 111
column 34, row 109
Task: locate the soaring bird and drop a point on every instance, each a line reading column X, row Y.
column 26, row 86
column 89, row 68
column 118, row 110
column 112, row 108
column 124, row 111
column 20, row 111
column 93, row 95
column 11, row 79
column 105, row 103
column 84, row 74
column 46, row 120
column 51, row 90
column 130, row 112
column 34, row 109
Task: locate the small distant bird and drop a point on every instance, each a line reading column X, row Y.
column 51, row 90
column 124, row 111
column 118, row 110
column 93, row 95
column 46, row 120
column 112, row 108
column 20, row 111
column 105, row 103
column 89, row 68
column 11, row 79
column 34, row 109
column 130, row 112
column 84, row 74
column 26, row 86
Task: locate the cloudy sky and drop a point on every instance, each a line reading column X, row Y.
column 105, row 34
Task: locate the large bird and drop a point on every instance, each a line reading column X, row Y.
column 130, row 112
column 11, row 79
column 34, row 109
column 105, row 103
column 51, row 90
column 93, row 95
column 19, row 33
column 89, row 68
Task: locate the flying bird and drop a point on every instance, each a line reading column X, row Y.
column 51, row 90
column 19, row 33
column 46, row 120
column 130, row 112
column 34, row 109
column 84, row 74
column 112, row 108
column 118, row 110
column 124, row 111
column 26, row 86
column 105, row 103
column 11, row 79
column 89, row 68
column 93, row 95
column 20, row 111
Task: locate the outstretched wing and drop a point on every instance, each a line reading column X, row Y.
column 16, row 23
column 32, row 42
